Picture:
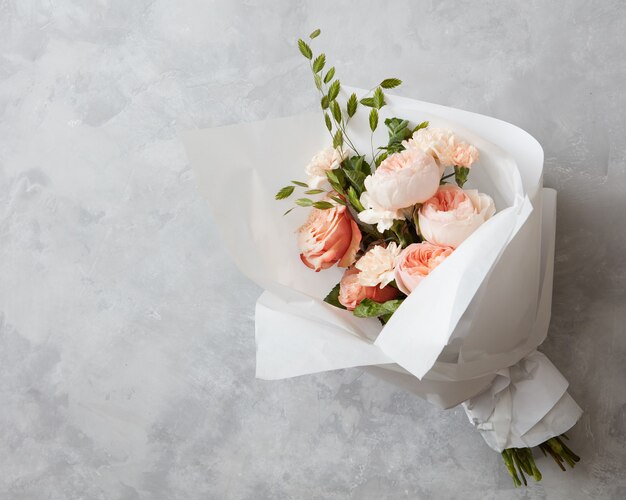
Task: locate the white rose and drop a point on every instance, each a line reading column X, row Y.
column 403, row 179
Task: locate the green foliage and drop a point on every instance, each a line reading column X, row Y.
column 305, row 50
column 315, row 34
column 373, row 119
column 338, row 139
column 284, row 193
column 352, row 105
column 336, row 111
column 318, row 64
column 323, row 205
column 301, row 184
column 368, row 308
column 353, row 197
column 398, row 131
column 390, row 83
column 304, row 202
column 329, row 75
column 324, row 102
column 368, row 101
column 460, row 175
column 337, row 180
column 421, row 125
column 329, row 124
column 333, row 297
column 333, row 90
column 314, row 191
column 379, row 98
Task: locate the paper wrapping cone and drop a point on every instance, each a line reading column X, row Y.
column 469, row 332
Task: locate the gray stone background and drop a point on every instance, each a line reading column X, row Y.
column 126, row 332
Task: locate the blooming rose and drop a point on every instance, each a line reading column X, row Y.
column 351, row 292
column 416, row 262
column 325, row 160
column 329, row 237
column 450, row 216
column 446, row 148
column 403, row 179
column 377, row 265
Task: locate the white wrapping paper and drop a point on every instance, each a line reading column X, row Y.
column 468, row 333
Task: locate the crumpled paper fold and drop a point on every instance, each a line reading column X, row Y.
column 468, row 334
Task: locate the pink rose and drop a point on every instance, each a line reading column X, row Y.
column 450, row 216
column 329, row 237
column 351, row 292
column 403, row 179
column 416, row 262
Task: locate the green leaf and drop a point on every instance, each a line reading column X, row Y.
column 324, row 102
column 318, row 64
column 390, row 83
column 333, row 297
column 304, row 202
column 329, row 75
column 336, row 110
column 284, row 193
column 318, row 81
column 353, row 198
column 336, row 179
column 333, row 90
column 301, row 184
column 356, row 178
column 338, row 200
column 315, row 34
column 379, row 98
column 381, row 158
column 305, row 50
column 368, row 308
column 368, row 101
column 288, row 211
column 421, row 125
column 338, row 139
column 323, row 205
column 460, row 175
column 314, row 191
column 352, row 104
column 373, row 119
column 329, row 124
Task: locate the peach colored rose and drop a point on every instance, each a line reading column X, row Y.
column 445, row 147
column 351, row 292
column 329, row 237
column 450, row 216
column 416, row 262
column 403, row 179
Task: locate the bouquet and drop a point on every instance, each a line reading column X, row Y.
column 425, row 254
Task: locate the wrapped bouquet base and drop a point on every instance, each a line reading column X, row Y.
column 468, row 334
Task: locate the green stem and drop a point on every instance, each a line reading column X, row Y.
column 520, row 460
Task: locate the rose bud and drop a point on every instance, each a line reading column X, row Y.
column 329, row 237
column 416, row 262
column 452, row 214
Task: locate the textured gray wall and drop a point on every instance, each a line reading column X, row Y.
column 126, row 332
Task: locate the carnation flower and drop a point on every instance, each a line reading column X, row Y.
column 445, row 147
column 322, row 162
column 374, row 214
column 377, row 265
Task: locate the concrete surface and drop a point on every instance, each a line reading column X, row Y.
column 126, row 332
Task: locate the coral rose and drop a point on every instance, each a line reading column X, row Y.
column 403, row 179
column 416, row 262
column 450, row 216
column 329, row 237
column 351, row 292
